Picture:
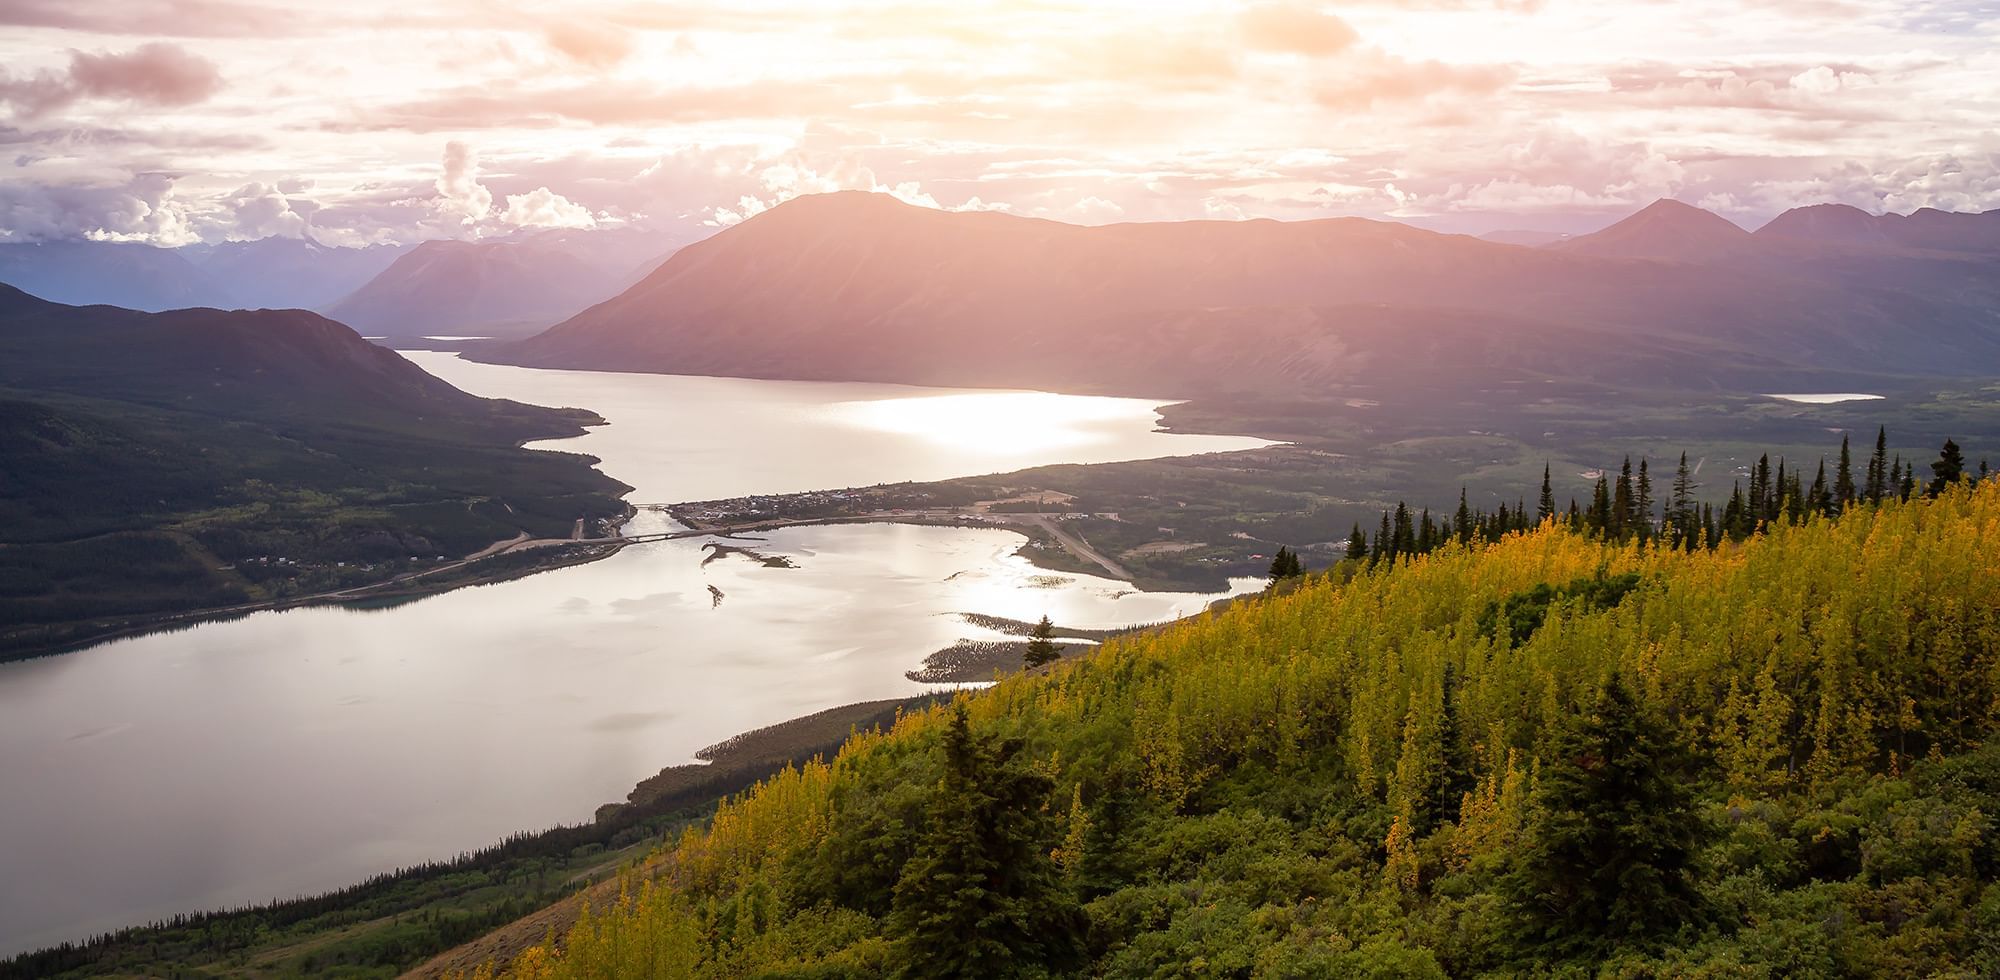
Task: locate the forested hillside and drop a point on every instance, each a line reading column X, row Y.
column 1547, row 754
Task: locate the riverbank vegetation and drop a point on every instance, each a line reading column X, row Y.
column 1554, row 753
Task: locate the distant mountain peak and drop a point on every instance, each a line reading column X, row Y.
column 1667, row 230
column 1842, row 223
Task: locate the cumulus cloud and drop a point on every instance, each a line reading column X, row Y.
column 156, row 74
column 460, row 194
column 141, row 208
column 256, row 211
column 543, row 208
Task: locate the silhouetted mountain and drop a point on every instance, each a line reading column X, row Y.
column 858, row 286
column 507, row 288
column 129, row 274
column 1667, row 230
column 1525, row 237
column 151, row 457
column 290, row 273
column 1927, row 229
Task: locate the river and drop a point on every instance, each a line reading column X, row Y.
column 289, row 753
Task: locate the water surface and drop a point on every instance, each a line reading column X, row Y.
column 295, row 752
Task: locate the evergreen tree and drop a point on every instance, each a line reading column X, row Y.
column 1545, row 508
column 1843, row 479
column 1878, row 467
column 1819, row 498
column 1599, row 517
column 1385, row 544
column 1611, row 846
column 1622, row 519
column 1948, row 469
column 1406, row 531
column 1642, row 502
column 1683, row 516
column 1042, row 645
column 1357, row 543
column 981, row 897
column 1760, row 490
column 1426, row 533
column 1463, row 520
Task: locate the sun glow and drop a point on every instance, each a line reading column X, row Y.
column 1003, row 422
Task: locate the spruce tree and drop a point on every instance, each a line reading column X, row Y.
column 1878, row 467
column 1385, row 544
column 1642, row 502
column 1683, row 502
column 1545, row 508
column 1611, row 846
column 1463, row 519
column 981, row 896
column 1948, row 469
column 1357, row 543
column 1621, row 518
column 1843, row 479
column 1042, row 645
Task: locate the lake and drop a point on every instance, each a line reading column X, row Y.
column 294, row 752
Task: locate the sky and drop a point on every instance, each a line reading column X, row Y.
column 176, row 121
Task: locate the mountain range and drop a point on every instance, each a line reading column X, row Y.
column 153, row 459
column 856, row 286
column 506, row 288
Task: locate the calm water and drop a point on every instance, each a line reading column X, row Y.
column 295, row 752
column 1826, row 398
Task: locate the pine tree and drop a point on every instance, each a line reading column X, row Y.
column 1878, row 467
column 1599, row 517
column 1463, row 519
column 1612, row 844
column 1545, row 508
column 1042, row 645
column 1621, row 519
column 1642, row 502
column 1843, row 479
column 1385, row 545
column 1819, row 498
column 981, row 896
column 1406, row 531
column 1683, row 502
column 1357, row 543
column 1948, row 469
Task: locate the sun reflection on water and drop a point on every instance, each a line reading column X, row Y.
column 998, row 422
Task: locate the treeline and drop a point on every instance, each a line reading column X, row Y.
column 1553, row 753
column 1628, row 508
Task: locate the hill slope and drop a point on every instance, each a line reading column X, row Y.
column 1541, row 755
column 494, row 288
column 162, row 462
column 289, row 273
column 858, row 286
column 127, row 274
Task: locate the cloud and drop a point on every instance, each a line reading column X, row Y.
column 256, row 211
column 593, row 43
column 156, row 74
column 1295, row 28
column 460, row 194
column 543, row 208
column 1375, row 77
column 141, row 208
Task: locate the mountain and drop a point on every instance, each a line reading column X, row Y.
column 1927, row 229
column 508, row 288
column 1525, row 237
column 128, row 274
column 163, row 462
column 1667, row 230
column 1528, row 757
column 855, row 286
column 290, row 273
